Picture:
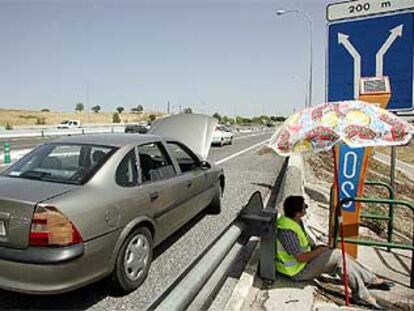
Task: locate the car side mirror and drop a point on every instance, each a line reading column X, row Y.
column 205, row 165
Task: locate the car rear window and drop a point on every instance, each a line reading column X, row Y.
column 62, row 163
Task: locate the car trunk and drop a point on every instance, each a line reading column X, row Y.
column 18, row 198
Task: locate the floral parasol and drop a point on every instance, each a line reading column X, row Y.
column 355, row 123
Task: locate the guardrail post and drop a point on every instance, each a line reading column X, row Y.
column 43, row 133
column 112, row 129
column 261, row 222
column 83, row 131
column 7, row 158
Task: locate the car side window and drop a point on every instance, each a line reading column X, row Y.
column 155, row 164
column 187, row 160
column 127, row 172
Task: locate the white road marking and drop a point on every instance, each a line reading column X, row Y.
column 251, row 135
column 242, row 152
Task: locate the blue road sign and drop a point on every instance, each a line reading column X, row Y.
column 379, row 46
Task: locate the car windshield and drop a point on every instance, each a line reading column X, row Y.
column 62, row 163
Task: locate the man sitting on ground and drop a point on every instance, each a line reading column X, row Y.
column 299, row 258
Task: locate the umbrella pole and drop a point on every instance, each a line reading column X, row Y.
column 341, row 232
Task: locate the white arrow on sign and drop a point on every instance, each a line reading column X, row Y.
column 344, row 40
column 379, row 58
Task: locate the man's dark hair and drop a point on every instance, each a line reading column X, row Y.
column 292, row 205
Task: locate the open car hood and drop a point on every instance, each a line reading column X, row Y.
column 194, row 130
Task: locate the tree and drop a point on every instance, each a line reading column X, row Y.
column 277, row 118
column 137, row 109
column 120, row 109
column 96, row 108
column 45, row 110
column 79, row 107
column 231, row 121
column 239, row 120
column 188, row 111
column 217, row 116
column 116, row 118
column 257, row 120
column 152, row 117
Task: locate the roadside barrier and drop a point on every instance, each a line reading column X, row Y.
column 253, row 220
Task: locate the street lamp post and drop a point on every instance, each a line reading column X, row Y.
column 308, row 19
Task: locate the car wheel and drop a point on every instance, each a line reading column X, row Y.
column 231, row 141
column 133, row 261
column 215, row 206
column 222, row 142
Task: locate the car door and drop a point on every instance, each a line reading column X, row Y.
column 191, row 180
column 158, row 182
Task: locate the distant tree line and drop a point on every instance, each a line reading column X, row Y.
column 261, row 120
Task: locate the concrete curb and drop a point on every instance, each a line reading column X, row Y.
column 280, row 293
column 245, row 284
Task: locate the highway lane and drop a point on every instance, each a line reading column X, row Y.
column 30, row 143
column 245, row 174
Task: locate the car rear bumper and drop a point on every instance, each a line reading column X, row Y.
column 42, row 255
column 216, row 140
column 61, row 276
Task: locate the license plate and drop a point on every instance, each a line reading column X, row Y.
column 2, row 228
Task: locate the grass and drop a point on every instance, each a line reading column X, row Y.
column 15, row 117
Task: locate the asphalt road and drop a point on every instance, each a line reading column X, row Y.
column 246, row 172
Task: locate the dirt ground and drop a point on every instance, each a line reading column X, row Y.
column 322, row 167
column 33, row 117
column 404, row 153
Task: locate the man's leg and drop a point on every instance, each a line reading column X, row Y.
column 330, row 262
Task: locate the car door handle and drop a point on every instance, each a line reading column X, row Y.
column 154, row 196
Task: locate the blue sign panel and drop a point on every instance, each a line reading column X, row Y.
column 380, row 46
column 349, row 174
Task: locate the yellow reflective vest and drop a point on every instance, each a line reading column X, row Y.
column 286, row 263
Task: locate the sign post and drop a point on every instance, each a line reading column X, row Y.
column 7, row 158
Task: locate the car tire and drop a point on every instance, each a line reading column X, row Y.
column 215, row 206
column 133, row 261
column 231, row 141
column 222, row 142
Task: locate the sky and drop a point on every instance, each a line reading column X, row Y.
column 234, row 57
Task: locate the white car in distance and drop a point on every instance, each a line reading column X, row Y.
column 69, row 124
column 222, row 135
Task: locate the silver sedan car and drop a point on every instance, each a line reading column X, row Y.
column 83, row 208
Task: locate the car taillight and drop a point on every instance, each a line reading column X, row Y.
column 51, row 228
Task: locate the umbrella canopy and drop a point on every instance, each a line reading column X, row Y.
column 355, row 123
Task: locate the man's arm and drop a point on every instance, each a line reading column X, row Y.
column 291, row 244
column 308, row 256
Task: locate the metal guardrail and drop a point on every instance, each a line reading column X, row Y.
column 252, row 220
column 60, row 132
column 389, row 218
column 366, row 242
